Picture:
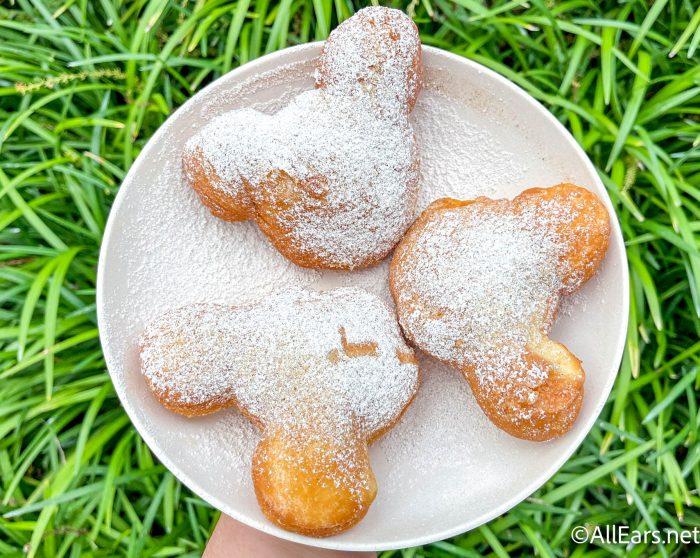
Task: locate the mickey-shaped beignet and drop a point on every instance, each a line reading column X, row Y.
column 322, row 374
column 477, row 285
column 332, row 178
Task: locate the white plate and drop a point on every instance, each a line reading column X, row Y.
column 444, row 469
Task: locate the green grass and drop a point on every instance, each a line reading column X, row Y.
column 84, row 83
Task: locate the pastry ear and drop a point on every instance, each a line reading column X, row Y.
column 581, row 222
column 378, row 51
column 536, row 411
column 313, row 483
column 181, row 360
column 226, row 200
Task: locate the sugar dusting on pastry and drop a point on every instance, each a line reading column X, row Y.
column 478, row 284
column 285, row 359
column 333, row 176
column 487, row 279
column 364, row 195
column 381, row 74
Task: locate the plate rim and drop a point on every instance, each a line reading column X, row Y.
column 330, row 543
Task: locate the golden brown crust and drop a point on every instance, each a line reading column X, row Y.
column 302, row 486
column 283, row 473
column 229, row 202
column 558, row 398
column 176, row 403
column 539, row 406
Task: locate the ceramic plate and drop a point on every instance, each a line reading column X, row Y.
column 444, row 469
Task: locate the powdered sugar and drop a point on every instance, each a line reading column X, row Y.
column 372, row 59
column 459, row 158
column 334, row 359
